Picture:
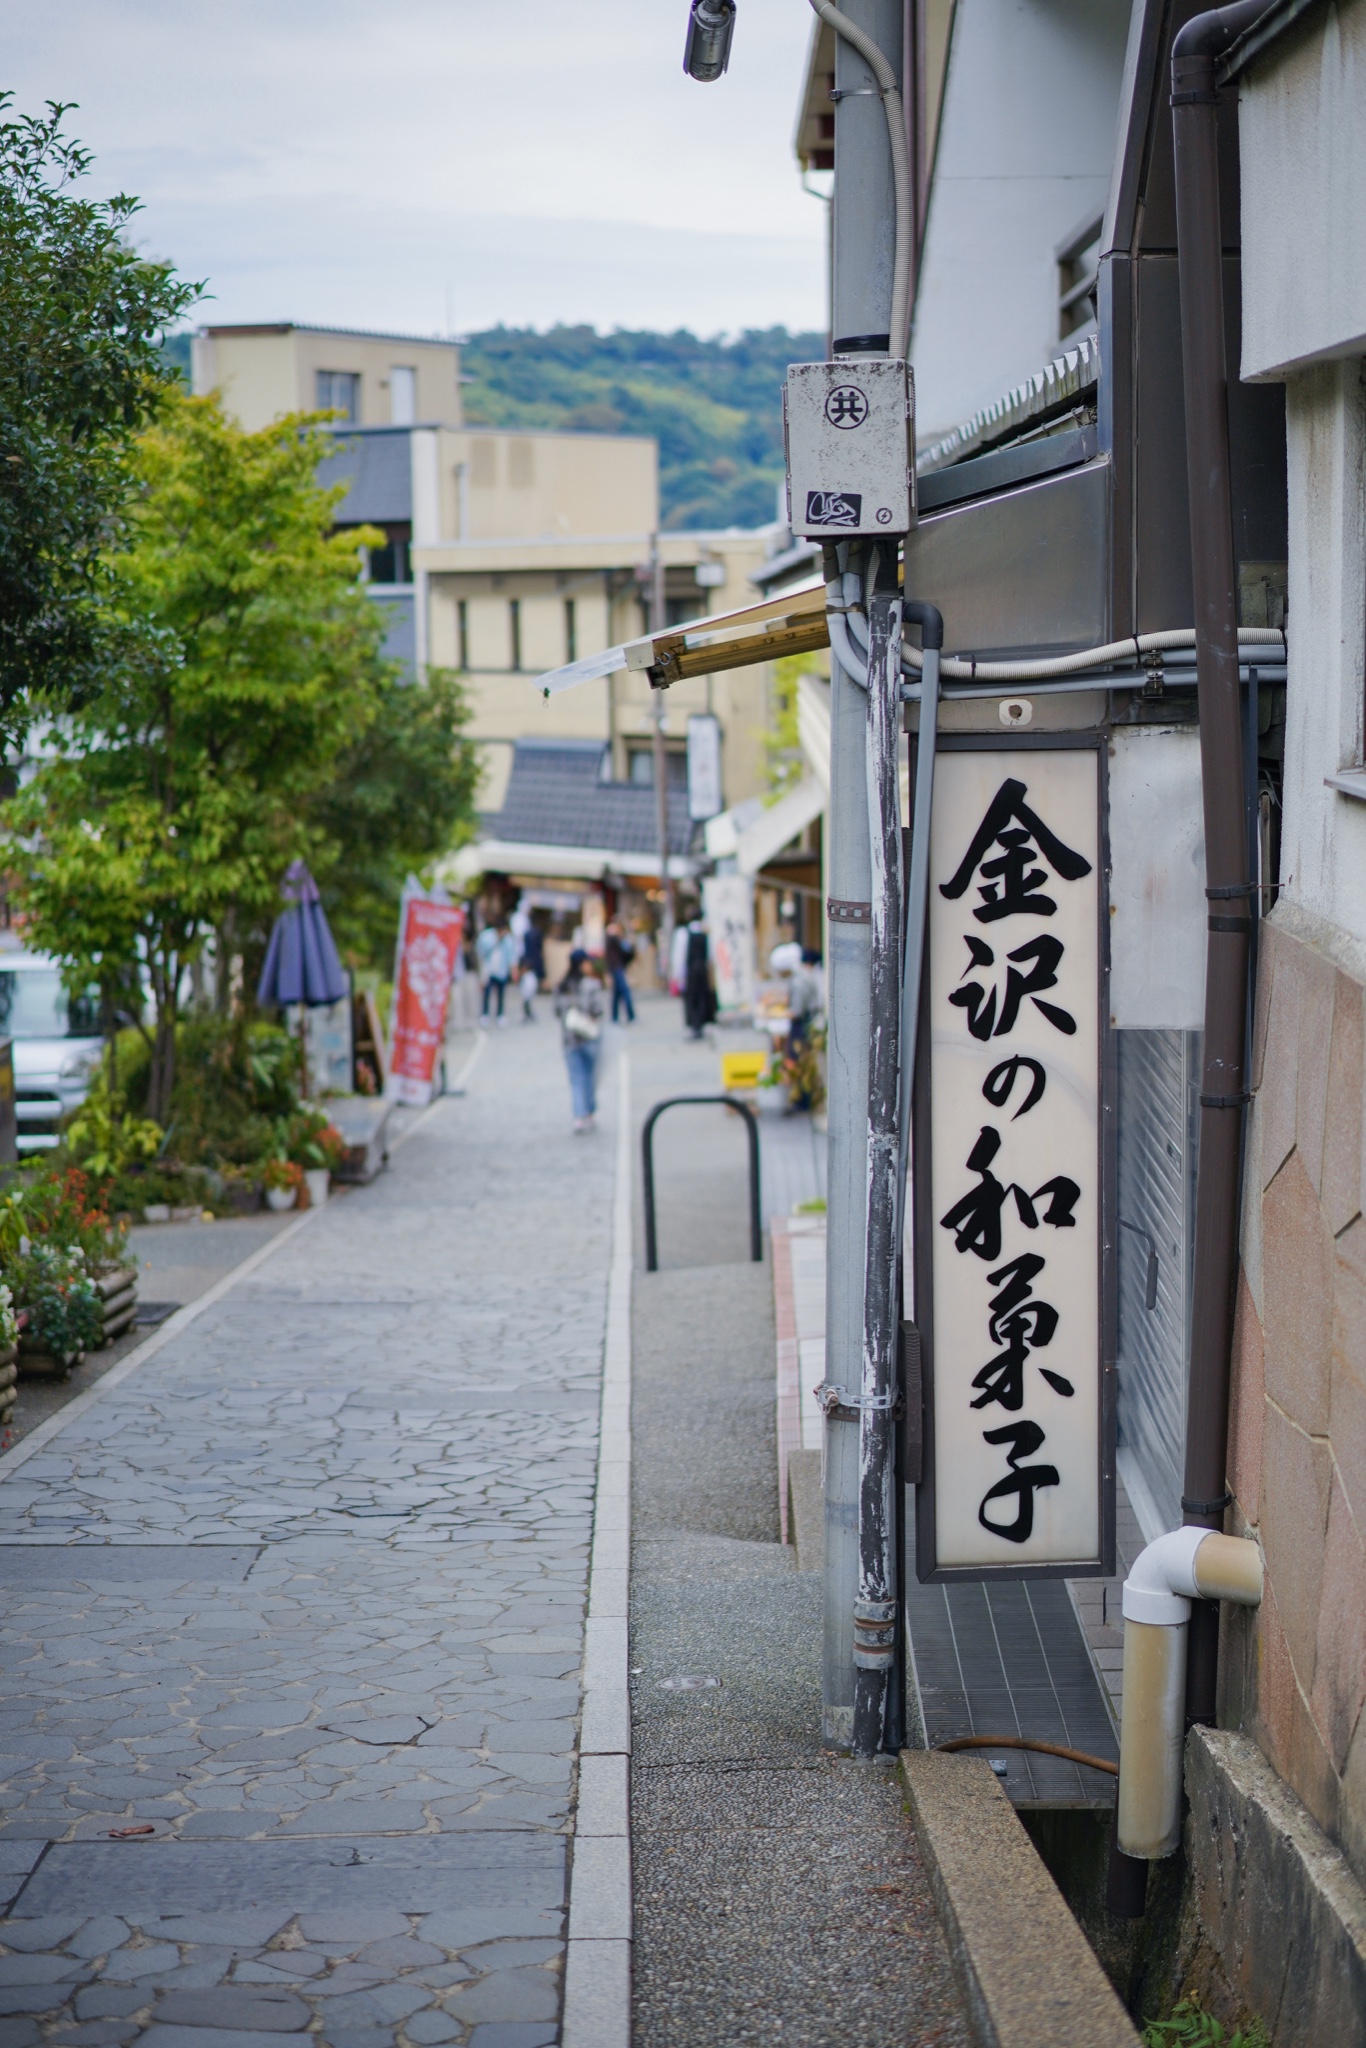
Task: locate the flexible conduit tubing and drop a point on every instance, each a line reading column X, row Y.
column 849, row 638
column 931, row 626
column 899, row 321
column 1184, row 1565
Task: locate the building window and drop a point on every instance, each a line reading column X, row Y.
column 483, row 464
column 338, row 391
column 571, row 632
column 515, row 631
column 1078, row 260
column 392, row 562
column 402, row 396
column 640, row 766
column 462, row 634
column 521, row 463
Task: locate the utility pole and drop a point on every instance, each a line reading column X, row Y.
column 863, row 233
column 658, row 621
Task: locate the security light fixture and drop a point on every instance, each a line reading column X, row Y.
column 710, row 28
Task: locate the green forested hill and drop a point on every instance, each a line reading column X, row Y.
column 715, row 407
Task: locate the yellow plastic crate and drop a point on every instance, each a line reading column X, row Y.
column 742, row 1069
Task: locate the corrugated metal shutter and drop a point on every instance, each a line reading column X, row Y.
column 1159, row 1078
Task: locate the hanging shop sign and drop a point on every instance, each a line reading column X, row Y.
column 428, row 945
column 728, row 907
column 1012, row 1201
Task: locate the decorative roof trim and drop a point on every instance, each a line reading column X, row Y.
column 1067, row 376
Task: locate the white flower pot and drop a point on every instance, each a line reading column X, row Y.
column 318, row 1179
column 281, row 1198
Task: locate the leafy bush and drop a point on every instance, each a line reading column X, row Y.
column 1190, row 2026
column 48, row 1209
column 282, row 1173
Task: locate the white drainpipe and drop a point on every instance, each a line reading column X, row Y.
column 1185, row 1565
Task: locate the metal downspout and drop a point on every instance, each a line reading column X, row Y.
column 1228, row 881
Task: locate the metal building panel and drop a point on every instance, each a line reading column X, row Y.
column 1157, row 882
column 1024, row 571
column 1159, row 1080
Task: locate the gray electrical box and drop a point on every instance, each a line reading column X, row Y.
column 850, row 433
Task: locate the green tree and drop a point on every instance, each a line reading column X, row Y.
column 401, row 794
column 80, row 374
column 189, row 780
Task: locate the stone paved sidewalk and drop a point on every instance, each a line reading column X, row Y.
column 303, row 1596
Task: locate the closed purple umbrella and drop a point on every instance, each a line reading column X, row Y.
column 301, row 960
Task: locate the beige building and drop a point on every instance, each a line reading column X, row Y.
column 508, row 552
column 373, row 380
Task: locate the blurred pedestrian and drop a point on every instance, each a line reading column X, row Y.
column 699, row 997
column 533, row 970
column 579, row 1007
column 497, row 951
column 619, row 953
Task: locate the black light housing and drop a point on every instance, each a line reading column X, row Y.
column 710, row 28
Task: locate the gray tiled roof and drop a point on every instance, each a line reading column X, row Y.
column 377, row 467
column 556, row 797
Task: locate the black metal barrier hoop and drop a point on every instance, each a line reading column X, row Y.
column 647, row 1136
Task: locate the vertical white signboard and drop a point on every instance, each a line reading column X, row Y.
column 1011, row 1225
column 728, row 907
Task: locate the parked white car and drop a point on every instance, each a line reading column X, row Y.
column 57, row 1044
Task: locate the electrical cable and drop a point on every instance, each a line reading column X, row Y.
column 898, row 325
column 1072, row 1756
column 1137, row 645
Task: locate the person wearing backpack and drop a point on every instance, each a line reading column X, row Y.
column 579, row 1007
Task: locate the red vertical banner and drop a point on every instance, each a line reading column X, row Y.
column 432, row 934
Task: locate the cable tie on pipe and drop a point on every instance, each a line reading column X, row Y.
column 1225, row 1101
column 1229, row 889
column 1206, row 1507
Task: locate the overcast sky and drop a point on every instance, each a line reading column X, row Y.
column 439, row 165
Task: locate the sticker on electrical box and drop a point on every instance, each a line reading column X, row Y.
column 846, row 406
column 834, row 508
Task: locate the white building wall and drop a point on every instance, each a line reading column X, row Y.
column 1025, row 149
column 1302, row 129
column 1323, row 844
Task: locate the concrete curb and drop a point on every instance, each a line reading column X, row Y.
column 1027, row 1971
column 597, row 1985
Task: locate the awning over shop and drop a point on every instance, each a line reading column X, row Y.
column 752, row 837
column 794, row 623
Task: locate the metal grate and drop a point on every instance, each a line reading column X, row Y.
column 1009, row 1658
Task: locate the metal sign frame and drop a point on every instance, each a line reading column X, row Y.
column 927, row 1568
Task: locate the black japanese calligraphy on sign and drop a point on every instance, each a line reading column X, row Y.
column 975, row 1220
column 1010, row 884
column 1014, row 1254
column 980, row 1002
column 1020, row 1323
column 1023, row 1481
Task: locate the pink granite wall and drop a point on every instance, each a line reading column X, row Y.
column 1294, row 1673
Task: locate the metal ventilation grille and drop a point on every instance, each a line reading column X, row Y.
column 1158, row 1087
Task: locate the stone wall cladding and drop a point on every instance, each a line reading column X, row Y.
column 1278, row 1904
column 1294, row 1672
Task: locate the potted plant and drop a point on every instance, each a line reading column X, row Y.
column 318, row 1148
column 65, row 1318
column 282, row 1179
column 9, row 1353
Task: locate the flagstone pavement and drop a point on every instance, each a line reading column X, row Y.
column 302, row 1596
